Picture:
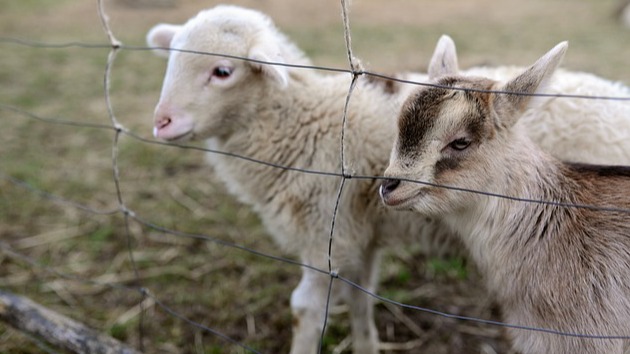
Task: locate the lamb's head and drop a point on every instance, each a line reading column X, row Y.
column 457, row 134
column 203, row 95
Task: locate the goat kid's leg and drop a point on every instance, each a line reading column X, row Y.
column 308, row 305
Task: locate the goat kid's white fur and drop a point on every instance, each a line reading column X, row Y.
column 292, row 117
column 551, row 267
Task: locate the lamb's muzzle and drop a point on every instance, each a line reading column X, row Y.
column 172, row 124
column 160, row 124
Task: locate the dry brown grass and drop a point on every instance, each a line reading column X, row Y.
column 235, row 292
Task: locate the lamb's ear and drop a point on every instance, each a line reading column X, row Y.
column 444, row 59
column 532, row 81
column 160, row 36
column 270, row 54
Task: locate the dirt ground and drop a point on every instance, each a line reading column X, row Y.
column 239, row 294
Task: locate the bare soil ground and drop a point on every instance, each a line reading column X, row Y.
column 236, row 293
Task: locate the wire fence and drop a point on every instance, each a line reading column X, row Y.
column 130, row 216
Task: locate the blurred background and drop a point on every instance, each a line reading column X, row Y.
column 236, row 293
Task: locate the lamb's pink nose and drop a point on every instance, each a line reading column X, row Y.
column 171, row 123
column 160, row 124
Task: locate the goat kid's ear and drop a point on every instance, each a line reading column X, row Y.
column 277, row 73
column 444, row 59
column 161, row 36
column 532, row 81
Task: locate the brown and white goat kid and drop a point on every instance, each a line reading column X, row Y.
column 550, row 266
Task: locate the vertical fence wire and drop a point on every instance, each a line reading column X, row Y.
column 119, row 129
column 342, row 148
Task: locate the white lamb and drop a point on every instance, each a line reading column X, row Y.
column 293, row 117
column 550, row 266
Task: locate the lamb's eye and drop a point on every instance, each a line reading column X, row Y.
column 459, row 144
column 222, row 72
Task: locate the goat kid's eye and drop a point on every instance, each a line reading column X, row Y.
column 459, row 144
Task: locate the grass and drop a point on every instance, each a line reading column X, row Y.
column 237, row 293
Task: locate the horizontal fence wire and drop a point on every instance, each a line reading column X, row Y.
column 36, row 44
column 334, row 174
column 114, row 46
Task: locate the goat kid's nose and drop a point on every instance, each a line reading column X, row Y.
column 388, row 186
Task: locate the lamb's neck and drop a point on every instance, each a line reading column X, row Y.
column 278, row 118
column 284, row 129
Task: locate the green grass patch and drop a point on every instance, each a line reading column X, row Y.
column 452, row 268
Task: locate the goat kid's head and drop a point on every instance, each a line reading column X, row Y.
column 201, row 93
column 457, row 133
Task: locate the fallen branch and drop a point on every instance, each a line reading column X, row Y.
column 34, row 319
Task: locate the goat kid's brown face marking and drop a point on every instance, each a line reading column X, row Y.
column 455, row 119
column 447, row 136
column 439, row 130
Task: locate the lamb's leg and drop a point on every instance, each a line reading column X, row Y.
column 308, row 304
column 364, row 333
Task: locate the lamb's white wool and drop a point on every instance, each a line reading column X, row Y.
column 575, row 129
column 550, row 267
column 290, row 116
